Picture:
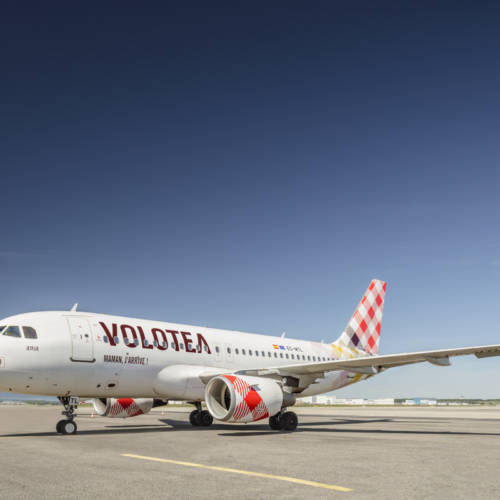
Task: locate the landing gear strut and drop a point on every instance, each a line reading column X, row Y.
column 284, row 421
column 68, row 426
column 199, row 417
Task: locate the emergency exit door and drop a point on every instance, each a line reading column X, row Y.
column 81, row 339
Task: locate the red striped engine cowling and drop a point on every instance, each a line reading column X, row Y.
column 122, row 407
column 243, row 399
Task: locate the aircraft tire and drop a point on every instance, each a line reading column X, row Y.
column 289, row 421
column 68, row 427
column 274, row 422
column 206, row 419
column 59, row 426
column 195, row 418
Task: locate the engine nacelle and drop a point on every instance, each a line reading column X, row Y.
column 243, row 399
column 124, row 407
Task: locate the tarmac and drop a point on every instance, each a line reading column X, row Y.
column 344, row 452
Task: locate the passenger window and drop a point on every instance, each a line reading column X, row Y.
column 281, row 354
column 249, row 352
column 29, row 333
column 256, row 353
column 155, row 343
column 1, row 328
column 236, row 350
column 105, row 339
column 217, row 349
column 269, row 354
column 229, row 350
column 275, row 354
column 263, row 353
column 12, row 331
column 286, row 356
column 243, row 352
column 308, row 358
column 293, row 356
column 116, row 340
column 314, row 358
column 172, row 345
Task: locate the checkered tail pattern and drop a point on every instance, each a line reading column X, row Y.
column 362, row 333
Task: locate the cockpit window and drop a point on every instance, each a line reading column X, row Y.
column 12, row 331
column 29, row 333
column 1, row 328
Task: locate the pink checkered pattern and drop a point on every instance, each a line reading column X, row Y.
column 363, row 330
column 249, row 405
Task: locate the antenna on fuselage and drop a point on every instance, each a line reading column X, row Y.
column 75, row 306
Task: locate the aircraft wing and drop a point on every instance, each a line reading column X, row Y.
column 374, row 364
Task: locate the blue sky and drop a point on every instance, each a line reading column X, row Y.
column 252, row 167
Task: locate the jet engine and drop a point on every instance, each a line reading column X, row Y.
column 124, row 407
column 243, row 399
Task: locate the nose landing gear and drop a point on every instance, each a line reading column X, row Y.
column 68, row 426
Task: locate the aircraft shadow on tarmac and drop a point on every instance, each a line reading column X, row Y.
column 316, row 427
column 326, row 425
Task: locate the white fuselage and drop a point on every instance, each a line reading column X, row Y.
column 98, row 355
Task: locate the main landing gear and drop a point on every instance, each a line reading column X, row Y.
column 68, row 426
column 284, row 421
column 199, row 417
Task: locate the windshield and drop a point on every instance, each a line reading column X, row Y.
column 29, row 333
column 12, row 331
column 1, row 328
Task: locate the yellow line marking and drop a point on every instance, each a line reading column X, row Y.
column 244, row 472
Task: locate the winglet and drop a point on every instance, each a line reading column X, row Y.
column 75, row 306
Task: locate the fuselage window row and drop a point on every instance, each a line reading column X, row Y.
column 30, row 333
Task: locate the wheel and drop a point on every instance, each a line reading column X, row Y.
column 68, row 427
column 289, row 421
column 274, row 422
column 206, row 418
column 59, row 426
column 195, row 418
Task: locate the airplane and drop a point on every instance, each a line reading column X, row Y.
column 128, row 366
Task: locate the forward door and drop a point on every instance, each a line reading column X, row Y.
column 82, row 345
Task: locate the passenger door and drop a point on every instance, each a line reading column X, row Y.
column 82, row 346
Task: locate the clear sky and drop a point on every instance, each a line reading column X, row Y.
column 253, row 165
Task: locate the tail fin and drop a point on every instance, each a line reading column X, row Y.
column 362, row 333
